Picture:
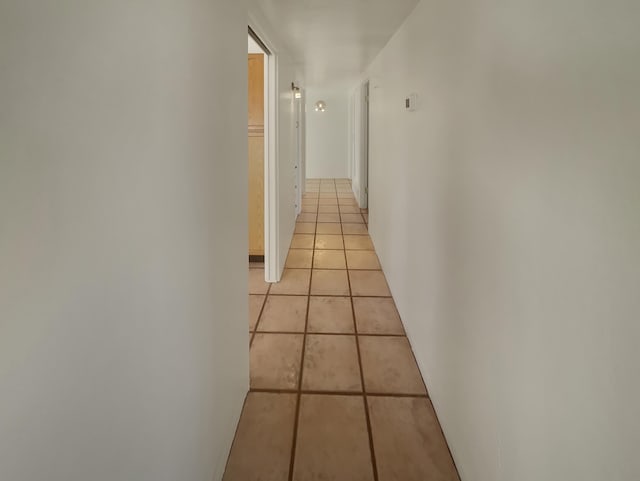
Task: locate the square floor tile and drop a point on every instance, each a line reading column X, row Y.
column 309, row 209
column 305, row 228
column 333, row 441
column 284, row 313
column 358, row 242
column 306, row 217
column 354, row 229
column 329, row 283
column 299, row 259
column 362, row 260
column 328, row 209
column 346, row 195
column 255, row 306
column 328, row 195
column 294, row 282
column 369, row 284
column 302, row 241
column 329, row 260
column 324, row 241
column 257, row 284
column 351, row 218
column 408, row 442
column 349, row 209
column 346, row 200
column 331, row 363
column 335, row 218
column 377, row 315
column 275, row 361
column 261, row 449
column 388, row 366
column 328, row 201
column 330, row 314
column 329, row 228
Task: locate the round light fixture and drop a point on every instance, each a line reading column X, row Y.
column 321, row 106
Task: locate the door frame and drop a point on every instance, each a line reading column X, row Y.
column 270, row 156
column 300, row 166
column 362, row 138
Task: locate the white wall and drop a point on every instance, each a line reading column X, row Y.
column 327, row 134
column 506, row 213
column 123, row 311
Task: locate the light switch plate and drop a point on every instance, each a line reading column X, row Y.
column 410, row 102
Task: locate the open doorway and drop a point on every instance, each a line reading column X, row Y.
column 257, row 69
column 360, row 145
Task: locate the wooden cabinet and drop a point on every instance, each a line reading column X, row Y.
column 256, row 154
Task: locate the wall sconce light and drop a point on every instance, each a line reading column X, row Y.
column 296, row 91
column 321, row 106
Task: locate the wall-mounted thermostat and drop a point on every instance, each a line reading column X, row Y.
column 411, row 102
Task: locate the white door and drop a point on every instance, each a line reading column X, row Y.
column 300, row 148
column 364, row 148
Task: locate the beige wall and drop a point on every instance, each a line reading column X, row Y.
column 123, row 312
column 506, row 214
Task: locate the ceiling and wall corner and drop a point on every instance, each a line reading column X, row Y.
column 333, row 42
column 330, row 44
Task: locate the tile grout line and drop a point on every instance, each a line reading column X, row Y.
column 318, row 333
column 340, row 393
column 299, row 391
column 255, row 328
column 374, row 464
column 296, row 420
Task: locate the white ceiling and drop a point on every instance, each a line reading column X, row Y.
column 333, row 41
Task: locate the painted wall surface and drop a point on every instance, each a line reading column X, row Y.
column 327, row 134
column 123, row 311
column 508, row 224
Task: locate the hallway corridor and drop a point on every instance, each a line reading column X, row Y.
column 335, row 390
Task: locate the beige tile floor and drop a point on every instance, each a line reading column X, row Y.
column 336, row 393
